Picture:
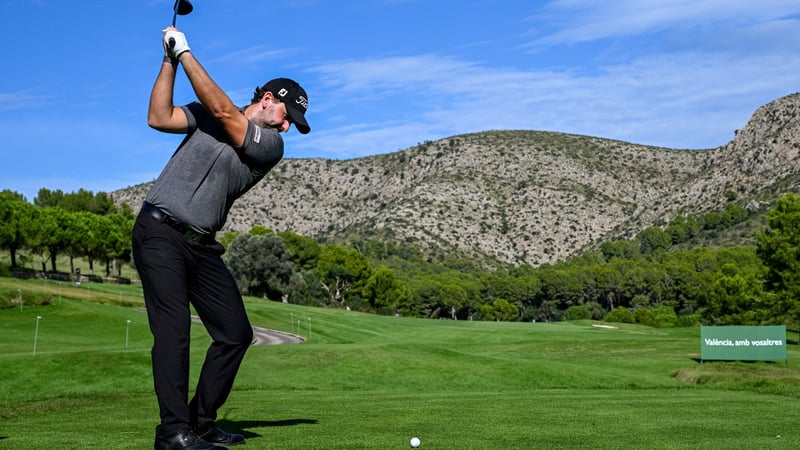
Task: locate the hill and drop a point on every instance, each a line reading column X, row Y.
column 519, row 196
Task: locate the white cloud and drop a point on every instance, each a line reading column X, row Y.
column 253, row 55
column 588, row 20
column 409, row 73
column 10, row 101
column 665, row 86
column 685, row 100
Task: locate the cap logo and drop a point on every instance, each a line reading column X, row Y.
column 302, row 101
column 283, row 92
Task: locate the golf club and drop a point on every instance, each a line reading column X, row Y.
column 180, row 8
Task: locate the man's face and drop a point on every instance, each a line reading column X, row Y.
column 276, row 116
column 272, row 113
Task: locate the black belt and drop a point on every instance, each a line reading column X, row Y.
column 156, row 213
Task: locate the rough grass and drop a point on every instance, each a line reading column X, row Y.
column 762, row 376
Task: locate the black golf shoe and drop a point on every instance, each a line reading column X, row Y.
column 185, row 440
column 217, row 436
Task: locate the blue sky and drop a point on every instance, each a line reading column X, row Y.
column 384, row 75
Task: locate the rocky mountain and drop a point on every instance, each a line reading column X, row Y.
column 520, row 196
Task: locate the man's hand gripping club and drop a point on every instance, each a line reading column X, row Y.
column 175, row 43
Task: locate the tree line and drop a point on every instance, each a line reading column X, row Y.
column 649, row 279
column 79, row 224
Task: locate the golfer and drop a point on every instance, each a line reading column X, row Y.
column 226, row 151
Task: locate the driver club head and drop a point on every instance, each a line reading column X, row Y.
column 181, row 8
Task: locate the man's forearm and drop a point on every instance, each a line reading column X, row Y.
column 208, row 93
column 214, row 99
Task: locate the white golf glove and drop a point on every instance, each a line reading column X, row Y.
column 176, row 43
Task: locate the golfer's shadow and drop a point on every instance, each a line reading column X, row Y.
column 241, row 426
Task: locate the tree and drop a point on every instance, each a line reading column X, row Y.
column 520, row 287
column 609, row 284
column 384, row 291
column 304, row 250
column 642, row 281
column 577, row 312
column 653, row 239
column 91, row 236
column 565, row 285
column 689, row 284
column 734, row 214
column 525, row 290
column 260, row 265
column 82, row 200
column 424, row 296
column 15, row 216
column 116, row 242
column 734, row 297
column 343, row 274
column 548, row 311
column 46, row 234
column 681, row 229
column 620, row 249
column 499, row 310
column 48, row 199
column 76, row 228
column 452, row 297
column 305, row 288
column 778, row 246
column 13, row 195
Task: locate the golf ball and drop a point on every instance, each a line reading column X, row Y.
column 415, row 442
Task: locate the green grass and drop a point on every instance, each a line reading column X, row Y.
column 371, row 382
column 30, row 261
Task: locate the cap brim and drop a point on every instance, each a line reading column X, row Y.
column 299, row 120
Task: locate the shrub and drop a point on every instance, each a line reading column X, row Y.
column 578, row 312
column 596, row 311
column 620, row 314
column 688, row 320
column 661, row 316
column 664, row 316
column 529, row 314
column 644, row 316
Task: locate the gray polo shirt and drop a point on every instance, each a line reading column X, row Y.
column 206, row 174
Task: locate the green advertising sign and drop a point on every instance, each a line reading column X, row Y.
column 743, row 343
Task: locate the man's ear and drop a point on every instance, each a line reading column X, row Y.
column 266, row 98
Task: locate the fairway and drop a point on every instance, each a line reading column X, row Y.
column 373, row 382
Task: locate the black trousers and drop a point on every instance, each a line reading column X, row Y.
column 175, row 273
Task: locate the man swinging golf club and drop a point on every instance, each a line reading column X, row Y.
column 226, row 151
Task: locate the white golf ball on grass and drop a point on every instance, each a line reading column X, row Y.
column 415, row 442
